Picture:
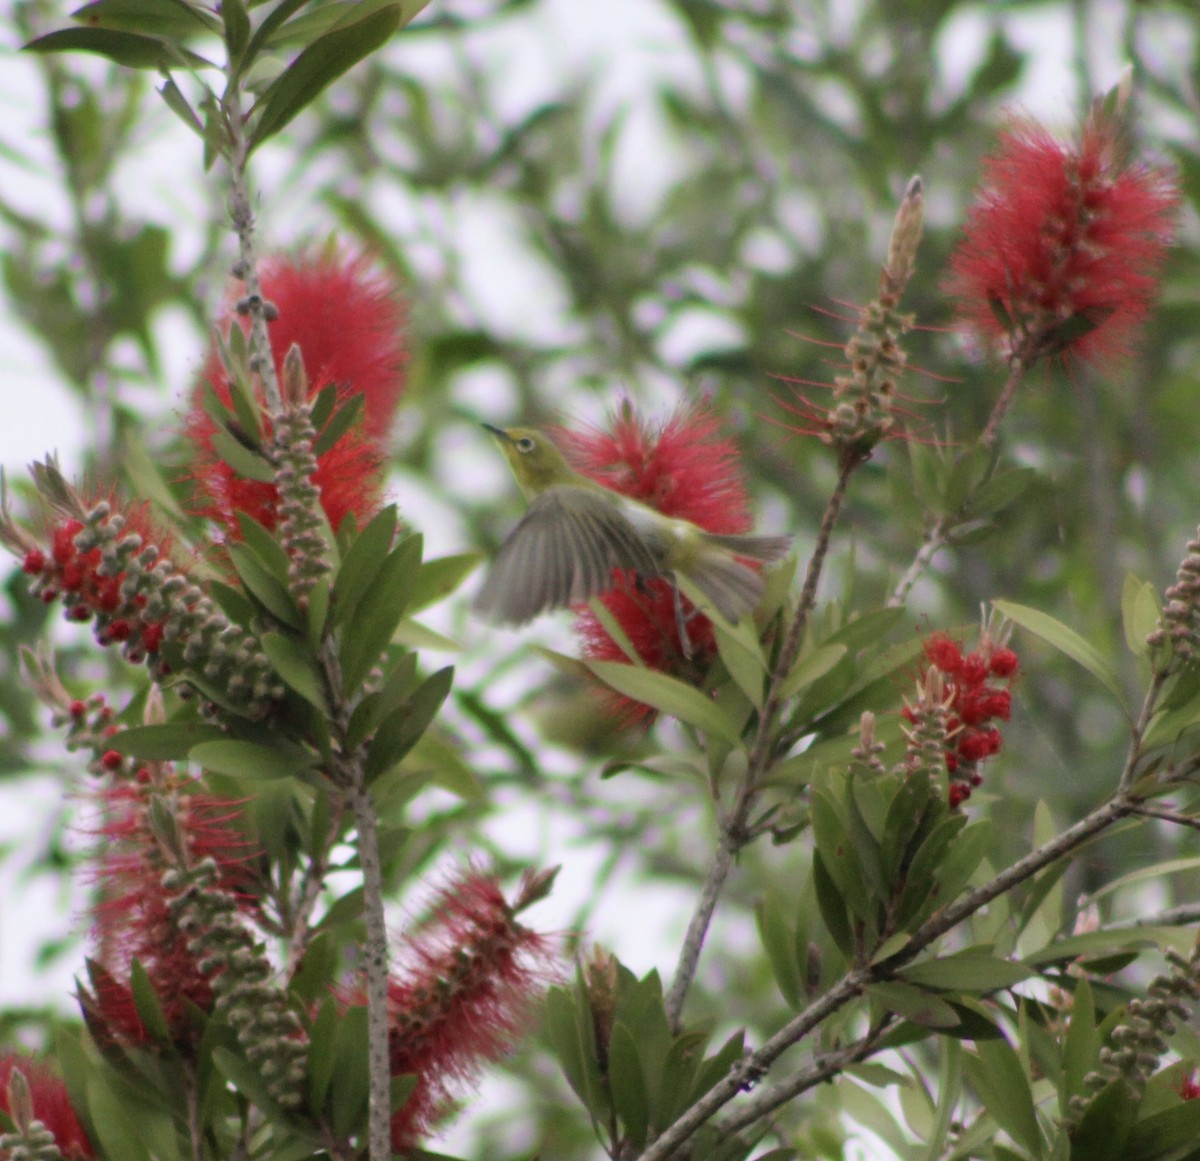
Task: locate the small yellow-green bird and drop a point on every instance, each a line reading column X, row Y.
column 577, row 531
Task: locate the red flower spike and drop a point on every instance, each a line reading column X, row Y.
column 348, row 321
column 1003, row 663
column 51, row 1103
column 90, row 594
column 1062, row 247
column 472, row 975
column 973, row 702
column 685, row 469
column 133, row 920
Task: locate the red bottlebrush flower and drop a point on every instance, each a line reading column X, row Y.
column 89, row 593
column 1062, row 247
column 51, row 1103
column 133, row 919
column 972, row 701
column 1189, row 1088
column 348, row 321
column 685, row 469
column 464, row 996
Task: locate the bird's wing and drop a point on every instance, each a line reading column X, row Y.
column 563, row 550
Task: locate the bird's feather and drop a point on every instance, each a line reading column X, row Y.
column 564, row 550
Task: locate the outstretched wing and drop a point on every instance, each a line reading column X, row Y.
column 564, row 550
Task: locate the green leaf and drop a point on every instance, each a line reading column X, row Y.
column 1164, row 1134
column 962, row 859
column 173, row 20
column 1065, row 640
column 118, row 1126
column 264, row 545
column 378, row 704
column 744, row 661
column 362, row 562
column 164, row 743
column 1109, row 942
column 250, row 760
column 146, row 476
column 450, row 771
column 350, row 1083
column 246, row 1078
column 1104, row 1131
column 838, row 852
column 811, row 666
column 373, row 623
column 628, row 1085
column 571, row 1035
column 1081, row 1043
column 997, row 1075
column 130, row 49
column 339, row 423
column 413, row 635
column 669, row 696
column 295, row 666
column 1139, row 613
column 320, row 1052
column 318, row 66
column 921, row 1007
column 972, row 970
column 401, row 729
column 264, row 586
column 832, row 907
column 440, row 577
column 247, row 463
column 145, row 1000
column 237, row 30
column 780, row 943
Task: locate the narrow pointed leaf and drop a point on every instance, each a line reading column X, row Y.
column 1065, row 640
column 668, row 695
column 318, row 66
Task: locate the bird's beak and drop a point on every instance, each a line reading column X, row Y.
column 498, row 432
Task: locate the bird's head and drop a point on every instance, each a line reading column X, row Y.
column 536, row 463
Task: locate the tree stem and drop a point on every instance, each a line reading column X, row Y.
column 376, row 969
column 733, row 827
column 242, row 215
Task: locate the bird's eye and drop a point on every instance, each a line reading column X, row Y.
column 525, row 444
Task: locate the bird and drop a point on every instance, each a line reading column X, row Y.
column 576, row 532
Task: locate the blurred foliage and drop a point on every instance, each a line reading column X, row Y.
column 692, row 209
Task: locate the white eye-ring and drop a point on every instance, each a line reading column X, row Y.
column 525, row 444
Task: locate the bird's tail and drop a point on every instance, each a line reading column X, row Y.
column 767, row 549
column 733, row 587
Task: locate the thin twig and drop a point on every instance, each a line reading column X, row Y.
column 376, row 969
column 1181, row 916
column 826, row 1065
column 242, row 215
column 938, row 535
column 935, row 539
column 1167, row 816
column 1016, row 372
column 733, row 827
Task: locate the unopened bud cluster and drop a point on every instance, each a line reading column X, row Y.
column 975, row 690
column 867, row 755
column 33, row 1143
column 864, row 400
column 928, row 732
column 1180, row 622
column 301, row 519
column 1138, row 1044
column 268, row 1031
column 107, row 572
